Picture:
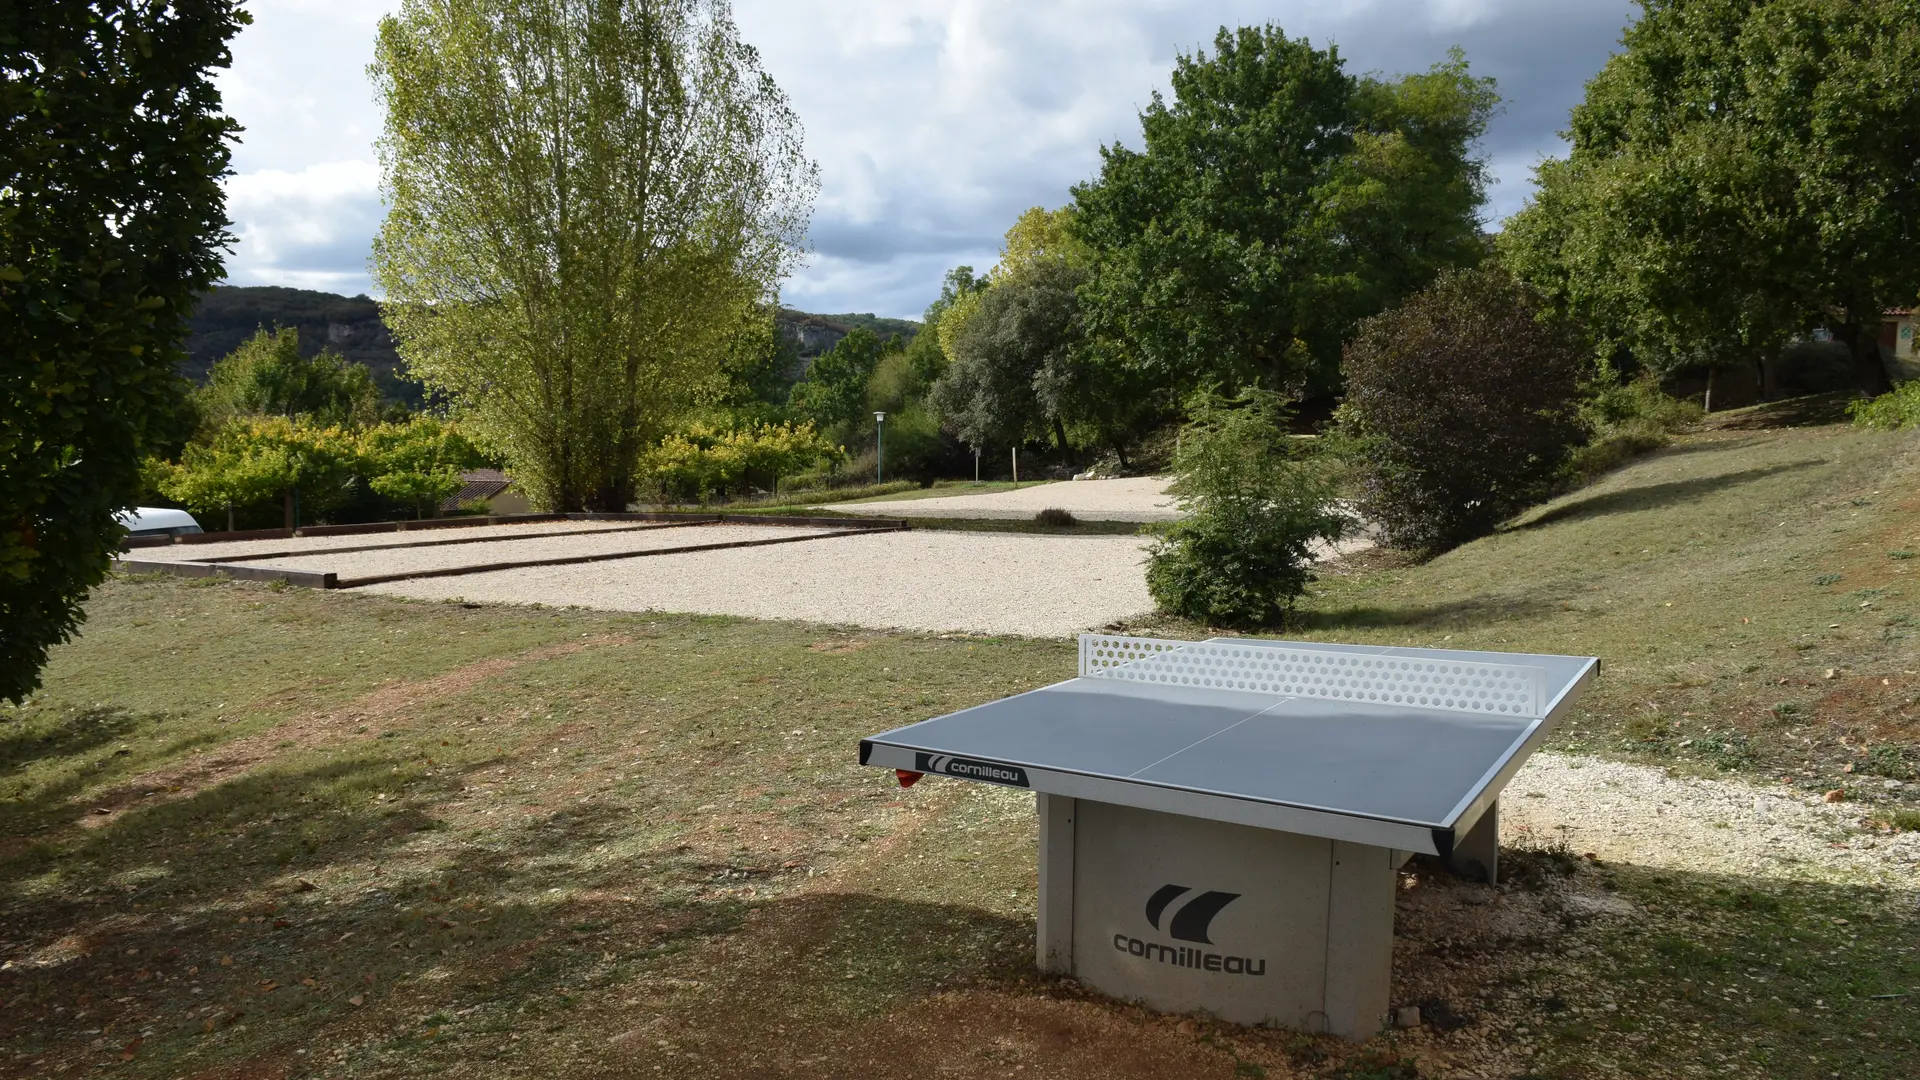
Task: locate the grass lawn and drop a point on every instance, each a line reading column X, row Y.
column 259, row 832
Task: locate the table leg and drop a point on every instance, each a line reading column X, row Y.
column 1359, row 939
column 1476, row 855
column 1053, row 941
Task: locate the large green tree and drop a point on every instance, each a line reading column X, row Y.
column 267, row 376
column 591, row 203
column 112, row 145
column 833, row 396
column 1743, row 170
column 1009, row 340
column 1277, row 200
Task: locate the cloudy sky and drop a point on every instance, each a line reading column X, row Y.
column 934, row 122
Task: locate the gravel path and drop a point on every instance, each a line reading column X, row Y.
column 1640, row 815
column 1134, row 498
column 407, row 560
column 238, row 550
column 1042, row 586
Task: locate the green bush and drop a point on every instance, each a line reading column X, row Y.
column 1624, row 421
column 1463, row 403
column 1242, row 555
column 1896, row 411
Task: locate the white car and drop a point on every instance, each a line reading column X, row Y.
column 157, row 521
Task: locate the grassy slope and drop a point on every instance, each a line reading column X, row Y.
column 567, row 842
column 1751, row 593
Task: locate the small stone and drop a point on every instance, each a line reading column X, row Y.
column 1833, row 673
column 1894, row 785
column 1836, row 795
column 1406, row 1016
column 303, row 885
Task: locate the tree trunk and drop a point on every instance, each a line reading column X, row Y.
column 1713, row 376
column 1863, row 341
column 1060, row 436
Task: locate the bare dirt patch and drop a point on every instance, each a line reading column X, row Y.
column 364, row 716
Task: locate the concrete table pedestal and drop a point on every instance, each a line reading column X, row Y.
column 1250, row 925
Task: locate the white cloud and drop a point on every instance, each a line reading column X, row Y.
column 934, row 121
column 309, row 228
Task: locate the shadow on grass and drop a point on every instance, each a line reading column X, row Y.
column 1655, row 496
column 1472, row 611
column 75, row 733
column 1814, row 410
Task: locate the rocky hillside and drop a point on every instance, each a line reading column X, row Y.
column 351, row 326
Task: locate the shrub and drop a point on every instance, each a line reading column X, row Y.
column 1464, row 404
column 1895, row 411
column 1053, row 515
column 1623, row 421
column 1242, row 555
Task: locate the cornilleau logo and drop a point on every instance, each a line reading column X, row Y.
column 991, row 772
column 1191, row 921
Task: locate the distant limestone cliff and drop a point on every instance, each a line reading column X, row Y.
column 351, row 326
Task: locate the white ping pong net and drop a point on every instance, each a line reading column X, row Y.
column 1289, row 670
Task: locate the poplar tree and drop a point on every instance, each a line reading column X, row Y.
column 591, row 204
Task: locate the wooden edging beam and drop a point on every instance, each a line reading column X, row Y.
column 308, row 579
column 568, row 560
column 252, row 556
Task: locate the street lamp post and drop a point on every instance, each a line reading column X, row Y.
column 880, row 439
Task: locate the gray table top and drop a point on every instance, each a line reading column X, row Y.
column 1417, row 766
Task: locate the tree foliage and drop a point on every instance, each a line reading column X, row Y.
column 1465, row 403
column 254, row 462
column 1741, row 171
column 1242, row 555
column 417, row 463
column 590, row 205
column 833, row 396
column 111, row 219
column 267, row 376
column 1277, row 200
column 707, row 459
column 1021, row 327
column 258, row 460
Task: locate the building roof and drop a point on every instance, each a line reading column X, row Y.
column 477, row 484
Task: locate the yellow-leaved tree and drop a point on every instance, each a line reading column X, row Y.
column 591, row 205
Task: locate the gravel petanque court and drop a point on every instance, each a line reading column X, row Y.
column 1042, row 586
column 1132, row 498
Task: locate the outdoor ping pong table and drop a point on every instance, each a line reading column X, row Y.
column 1221, row 821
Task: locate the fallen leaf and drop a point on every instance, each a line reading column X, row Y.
column 226, row 961
column 303, row 885
column 101, row 810
column 1836, row 795
column 132, row 1048
column 357, row 1000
